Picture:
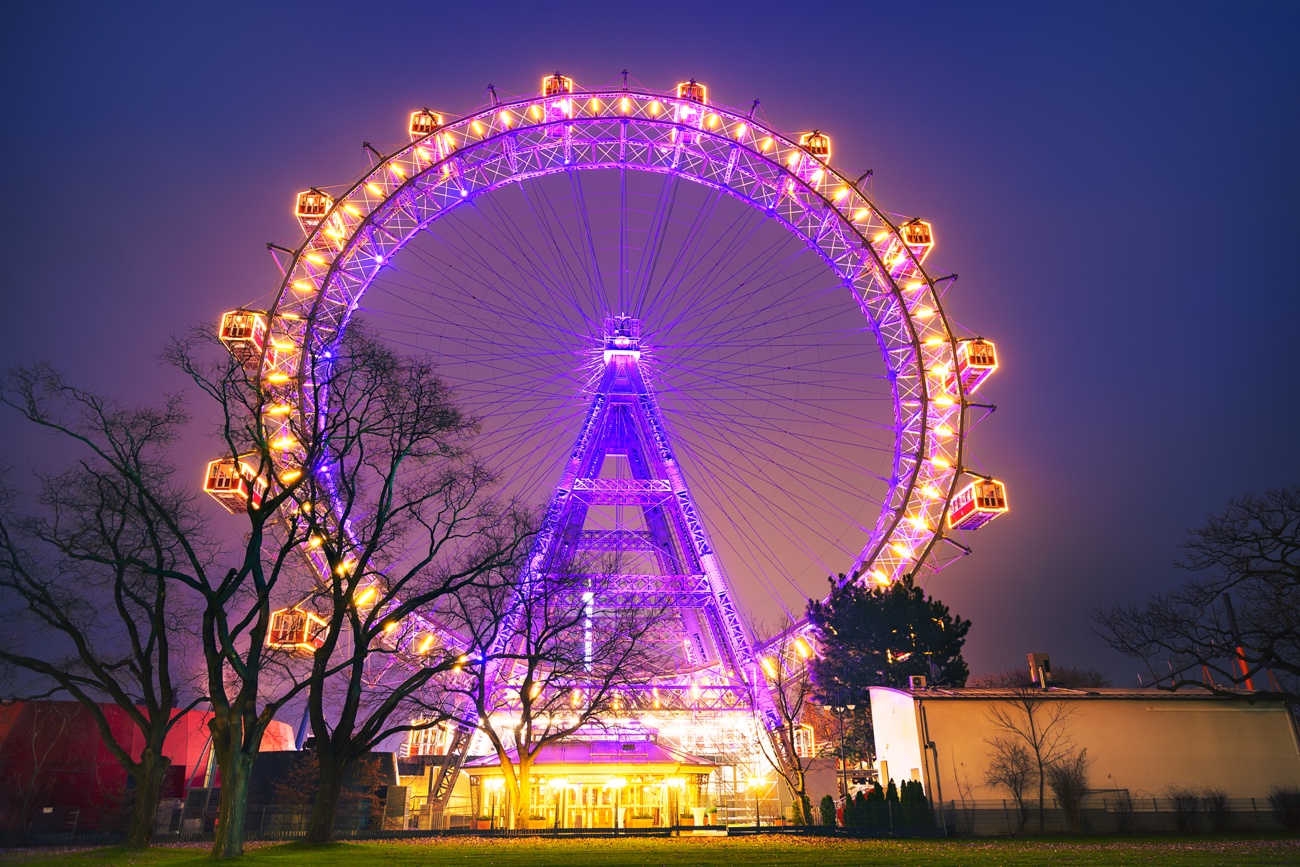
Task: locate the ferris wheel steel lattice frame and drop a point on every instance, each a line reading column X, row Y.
column 351, row 237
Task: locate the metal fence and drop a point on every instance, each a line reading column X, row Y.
column 1098, row 815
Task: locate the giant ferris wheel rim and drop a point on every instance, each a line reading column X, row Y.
column 901, row 542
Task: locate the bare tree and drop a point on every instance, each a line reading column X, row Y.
column 1067, row 777
column 1011, row 768
column 394, row 516
column 1236, row 622
column 84, row 560
column 789, row 681
column 1041, row 724
column 1066, row 676
column 554, row 655
column 358, row 513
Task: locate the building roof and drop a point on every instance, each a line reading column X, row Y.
column 1060, row 692
column 630, row 753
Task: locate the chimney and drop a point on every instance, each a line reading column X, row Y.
column 1040, row 669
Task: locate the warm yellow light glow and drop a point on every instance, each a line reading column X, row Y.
column 423, row 154
column 941, row 462
column 280, row 409
column 879, row 576
column 316, row 258
column 367, row 595
column 391, row 627
column 353, row 209
column 841, row 193
column 626, row 105
column 504, row 117
column 477, row 127
column 284, row 443
column 397, row 170
column 536, row 112
column 923, row 312
column 712, row 121
column 303, row 286
column 793, row 160
column 918, row 522
column 915, row 286
column 943, row 400
column 425, row 644
column 277, row 377
column 801, row 647
column 616, row 783
column 933, row 341
column 901, row 550
column 880, row 237
column 931, row 492
column 765, row 145
column 861, row 214
column 290, row 476
column 450, row 142
column 769, row 667
column 535, row 690
column 740, row 131
column 817, row 176
column 374, row 189
column 943, row 431
column 594, row 104
column 315, row 542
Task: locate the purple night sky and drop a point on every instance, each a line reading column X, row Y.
column 1114, row 184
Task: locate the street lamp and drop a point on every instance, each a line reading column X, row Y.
column 754, row 783
column 617, row 784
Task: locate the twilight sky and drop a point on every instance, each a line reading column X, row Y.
column 1114, row 183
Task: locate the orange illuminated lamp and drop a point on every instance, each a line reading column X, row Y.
column 244, row 334
column 978, row 503
column 817, row 144
column 423, row 122
column 977, row 358
column 296, row 630
column 311, row 208
column 235, row 484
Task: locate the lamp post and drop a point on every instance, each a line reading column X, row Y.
column 841, row 710
column 755, row 783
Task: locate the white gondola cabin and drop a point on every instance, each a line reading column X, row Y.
column 296, row 630
column 976, row 360
column 423, row 122
column 918, row 236
column 558, row 92
column 244, row 334
column 235, row 484
column 976, row 504
column 312, row 206
column 694, row 91
column 817, row 144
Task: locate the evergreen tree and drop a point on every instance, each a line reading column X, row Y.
column 860, row 810
column 828, row 811
column 879, row 636
column 876, row 815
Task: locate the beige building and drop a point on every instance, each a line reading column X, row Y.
column 1139, row 741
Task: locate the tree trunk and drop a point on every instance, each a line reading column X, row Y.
column 329, row 788
column 524, row 792
column 144, row 812
column 236, row 768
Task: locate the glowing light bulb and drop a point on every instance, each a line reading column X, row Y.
column 943, row 431
column 626, row 105
column 901, row 550
column 397, row 170
column 841, row 193
column 374, row 189
column 940, row 462
column 535, row 112
column 861, row 214
column 477, row 127
column 765, row 145
column 655, row 108
column 504, row 117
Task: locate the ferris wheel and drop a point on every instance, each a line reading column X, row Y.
column 817, row 393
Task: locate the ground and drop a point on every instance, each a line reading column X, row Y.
column 767, row 850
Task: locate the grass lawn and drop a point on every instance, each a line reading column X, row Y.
column 732, row 852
